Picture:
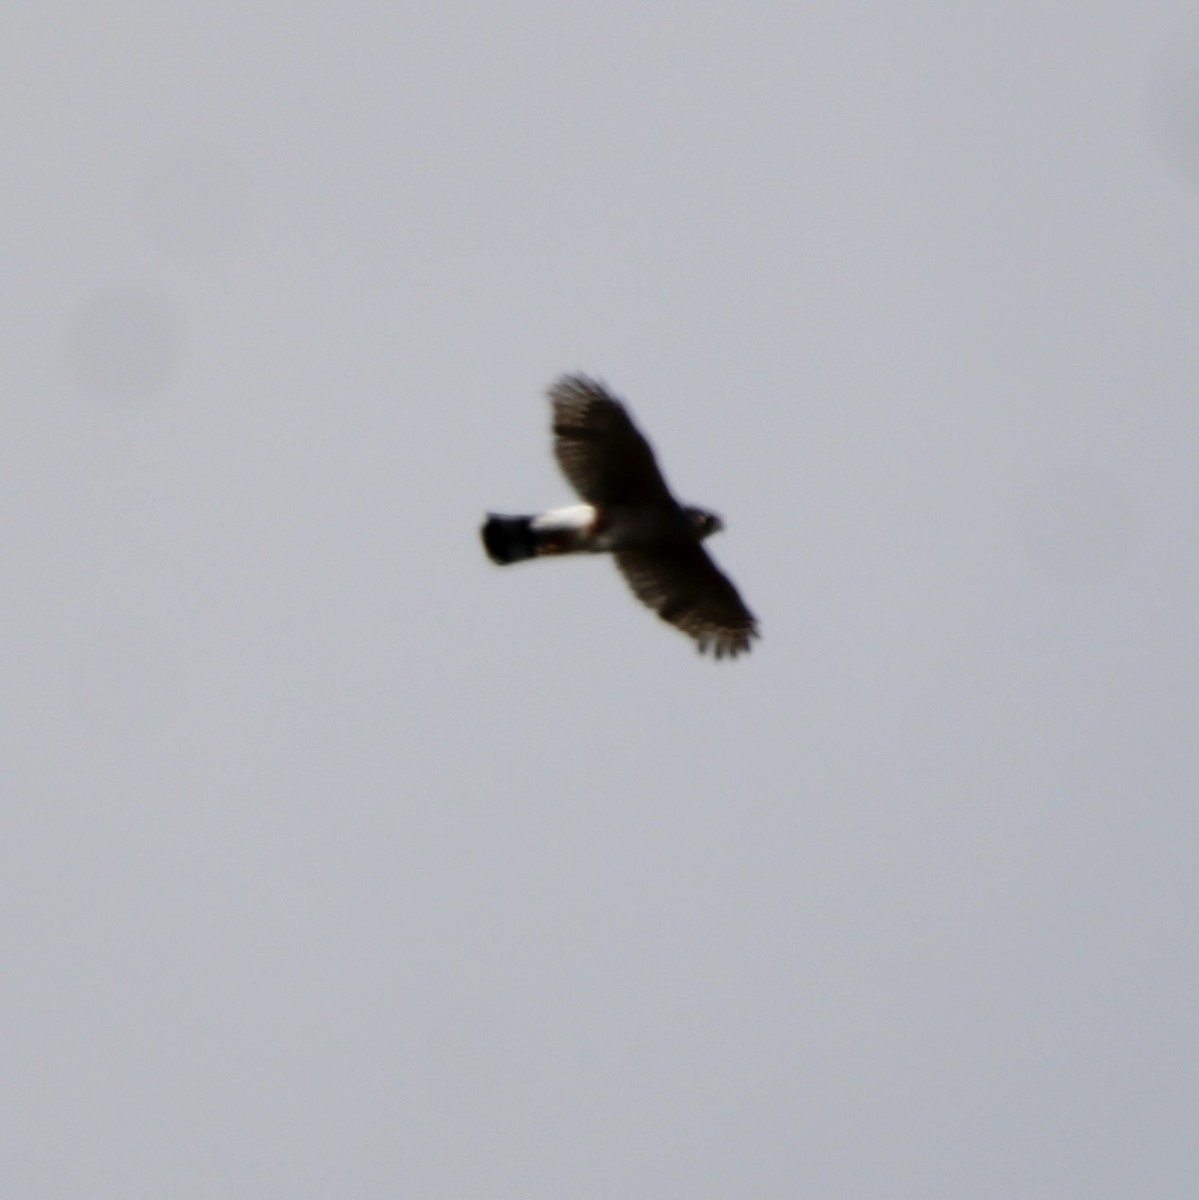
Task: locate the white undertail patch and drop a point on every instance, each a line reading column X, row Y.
column 575, row 518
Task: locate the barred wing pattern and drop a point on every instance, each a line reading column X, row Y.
column 685, row 587
column 600, row 451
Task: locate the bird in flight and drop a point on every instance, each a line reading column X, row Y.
column 630, row 513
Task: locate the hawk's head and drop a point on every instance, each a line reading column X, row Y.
column 705, row 523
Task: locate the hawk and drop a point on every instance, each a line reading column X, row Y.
column 629, row 512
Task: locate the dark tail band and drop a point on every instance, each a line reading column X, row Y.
column 508, row 539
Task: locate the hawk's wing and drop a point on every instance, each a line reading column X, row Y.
column 601, row 452
column 685, row 587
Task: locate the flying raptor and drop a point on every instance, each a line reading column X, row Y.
column 630, row 513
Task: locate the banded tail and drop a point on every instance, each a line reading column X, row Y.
column 509, row 539
column 560, row 531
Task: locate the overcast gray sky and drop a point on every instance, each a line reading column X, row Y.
column 338, row 862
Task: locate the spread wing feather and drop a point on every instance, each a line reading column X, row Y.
column 685, row 587
column 601, row 452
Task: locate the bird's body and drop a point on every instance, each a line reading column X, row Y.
column 629, row 512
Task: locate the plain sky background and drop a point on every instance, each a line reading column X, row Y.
column 337, row 862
